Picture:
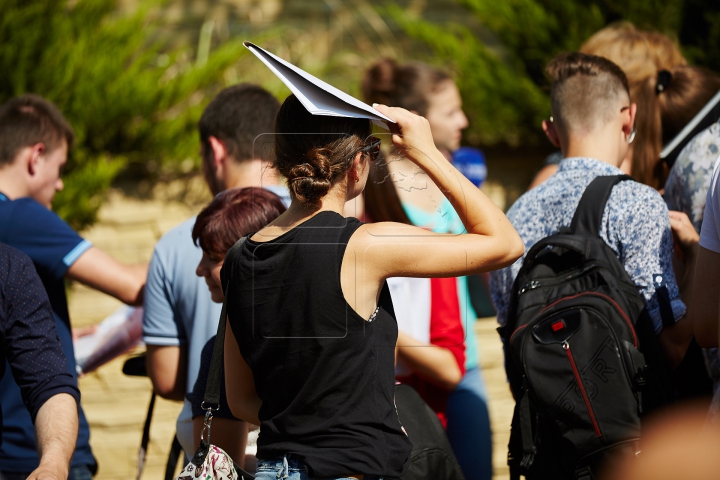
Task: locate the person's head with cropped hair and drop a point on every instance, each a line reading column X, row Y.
column 236, row 136
column 34, row 143
column 590, row 105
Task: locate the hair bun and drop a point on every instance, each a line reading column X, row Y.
column 311, row 180
column 379, row 85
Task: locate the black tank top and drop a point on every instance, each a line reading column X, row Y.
column 324, row 374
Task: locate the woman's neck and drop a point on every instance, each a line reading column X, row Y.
column 298, row 212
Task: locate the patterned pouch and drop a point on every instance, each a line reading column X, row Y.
column 211, row 463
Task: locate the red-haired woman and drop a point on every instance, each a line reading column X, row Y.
column 231, row 215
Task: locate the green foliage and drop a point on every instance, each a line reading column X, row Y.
column 500, row 71
column 132, row 99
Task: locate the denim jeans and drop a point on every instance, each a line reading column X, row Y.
column 468, row 426
column 81, row 472
column 290, row 467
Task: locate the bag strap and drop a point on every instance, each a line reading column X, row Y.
column 173, row 458
column 588, row 215
column 212, row 389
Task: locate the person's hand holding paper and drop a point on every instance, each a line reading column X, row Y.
column 411, row 135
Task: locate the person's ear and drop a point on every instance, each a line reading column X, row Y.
column 548, row 127
column 33, row 158
column 219, row 151
column 629, row 119
column 352, row 174
column 355, row 168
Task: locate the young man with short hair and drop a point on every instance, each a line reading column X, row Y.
column 593, row 124
column 236, row 138
column 34, row 142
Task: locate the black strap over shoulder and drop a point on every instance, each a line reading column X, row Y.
column 588, row 216
column 212, row 389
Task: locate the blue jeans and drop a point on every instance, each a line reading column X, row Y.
column 290, row 467
column 81, row 472
column 468, row 426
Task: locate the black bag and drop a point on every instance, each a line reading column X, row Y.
column 432, row 457
column 576, row 327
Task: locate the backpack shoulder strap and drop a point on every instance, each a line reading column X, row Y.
column 588, row 215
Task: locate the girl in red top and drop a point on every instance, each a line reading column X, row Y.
column 431, row 341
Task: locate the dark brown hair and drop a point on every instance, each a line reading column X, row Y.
column 585, row 89
column 30, row 119
column 314, row 151
column 233, row 214
column 407, row 86
column 663, row 114
column 238, row 115
column 382, row 203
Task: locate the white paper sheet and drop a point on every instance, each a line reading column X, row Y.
column 318, row 97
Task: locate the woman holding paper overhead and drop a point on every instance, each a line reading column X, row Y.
column 432, row 93
column 310, row 351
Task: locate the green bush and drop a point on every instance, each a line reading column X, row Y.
column 132, row 98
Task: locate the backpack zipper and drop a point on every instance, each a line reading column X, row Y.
column 533, row 284
column 576, row 373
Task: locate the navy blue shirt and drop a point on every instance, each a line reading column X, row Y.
column 52, row 246
column 28, row 337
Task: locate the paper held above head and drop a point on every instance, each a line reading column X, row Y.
column 318, row 97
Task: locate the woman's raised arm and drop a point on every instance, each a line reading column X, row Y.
column 394, row 249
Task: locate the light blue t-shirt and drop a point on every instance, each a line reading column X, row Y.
column 178, row 308
column 446, row 220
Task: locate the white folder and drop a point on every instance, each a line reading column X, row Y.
column 318, row 97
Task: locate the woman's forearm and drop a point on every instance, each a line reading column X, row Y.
column 477, row 212
column 412, row 137
column 435, row 364
column 703, row 304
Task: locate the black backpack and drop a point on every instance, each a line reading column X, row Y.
column 432, row 457
column 576, row 328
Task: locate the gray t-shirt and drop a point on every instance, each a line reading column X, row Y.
column 179, row 309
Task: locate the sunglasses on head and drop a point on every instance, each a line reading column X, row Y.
column 372, row 148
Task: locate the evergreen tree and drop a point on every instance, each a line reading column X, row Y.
column 131, row 98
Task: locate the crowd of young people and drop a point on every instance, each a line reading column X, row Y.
column 324, row 311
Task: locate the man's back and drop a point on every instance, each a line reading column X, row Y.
column 635, row 225
column 178, row 308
